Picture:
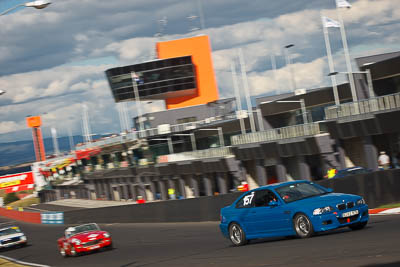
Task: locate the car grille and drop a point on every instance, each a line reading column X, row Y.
column 343, row 206
column 348, row 219
column 11, row 240
column 91, row 243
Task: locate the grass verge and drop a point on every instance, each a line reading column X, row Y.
column 25, row 202
column 6, row 263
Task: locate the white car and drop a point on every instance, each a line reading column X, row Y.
column 11, row 236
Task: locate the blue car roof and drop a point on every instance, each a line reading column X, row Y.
column 275, row 185
column 352, row 168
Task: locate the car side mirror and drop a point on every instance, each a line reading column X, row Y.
column 273, row 203
column 329, row 190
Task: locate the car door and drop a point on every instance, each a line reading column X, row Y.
column 243, row 208
column 266, row 219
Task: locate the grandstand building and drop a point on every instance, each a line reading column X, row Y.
column 202, row 145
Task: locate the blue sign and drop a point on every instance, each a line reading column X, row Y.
column 52, row 217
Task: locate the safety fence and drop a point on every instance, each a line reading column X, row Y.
column 377, row 188
column 175, row 128
column 367, row 106
column 294, row 131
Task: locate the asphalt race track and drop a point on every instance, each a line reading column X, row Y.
column 201, row 244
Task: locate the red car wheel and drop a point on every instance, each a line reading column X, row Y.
column 63, row 253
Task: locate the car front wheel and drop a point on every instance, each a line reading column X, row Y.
column 73, row 252
column 303, row 226
column 237, row 235
column 63, row 253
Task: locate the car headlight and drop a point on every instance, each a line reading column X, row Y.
column 76, row 241
column 23, row 238
column 360, row 202
column 106, row 235
column 323, row 210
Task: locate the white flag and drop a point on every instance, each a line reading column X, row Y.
column 343, row 3
column 330, row 23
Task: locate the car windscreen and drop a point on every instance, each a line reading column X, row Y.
column 81, row 228
column 293, row 192
column 9, row 231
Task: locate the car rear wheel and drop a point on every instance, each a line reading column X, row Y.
column 303, row 226
column 358, row 226
column 237, row 235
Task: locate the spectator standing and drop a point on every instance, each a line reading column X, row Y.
column 171, row 193
column 243, row 187
column 330, row 173
column 140, row 200
column 384, row 160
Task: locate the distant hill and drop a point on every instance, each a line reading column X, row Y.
column 14, row 153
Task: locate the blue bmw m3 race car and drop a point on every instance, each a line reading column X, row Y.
column 299, row 208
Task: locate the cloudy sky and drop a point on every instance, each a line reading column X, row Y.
column 52, row 61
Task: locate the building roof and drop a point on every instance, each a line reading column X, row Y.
column 384, row 67
column 362, row 62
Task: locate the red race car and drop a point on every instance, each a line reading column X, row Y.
column 83, row 238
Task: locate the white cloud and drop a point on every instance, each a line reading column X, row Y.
column 9, row 126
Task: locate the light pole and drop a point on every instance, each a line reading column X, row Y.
column 35, row 4
column 369, row 81
column 289, row 64
column 220, row 134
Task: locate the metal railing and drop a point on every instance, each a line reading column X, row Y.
column 367, row 106
column 176, row 128
column 220, row 152
column 277, row 134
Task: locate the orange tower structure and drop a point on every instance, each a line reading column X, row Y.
column 200, row 50
column 35, row 122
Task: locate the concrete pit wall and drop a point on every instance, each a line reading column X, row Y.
column 377, row 188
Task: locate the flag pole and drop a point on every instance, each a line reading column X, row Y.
column 246, row 91
column 237, row 95
column 330, row 62
column 347, row 56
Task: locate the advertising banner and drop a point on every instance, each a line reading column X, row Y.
column 52, row 217
column 17, row 182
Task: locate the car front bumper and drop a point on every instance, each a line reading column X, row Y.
column 84, row 248
column 16, row 243
column 335, row 219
